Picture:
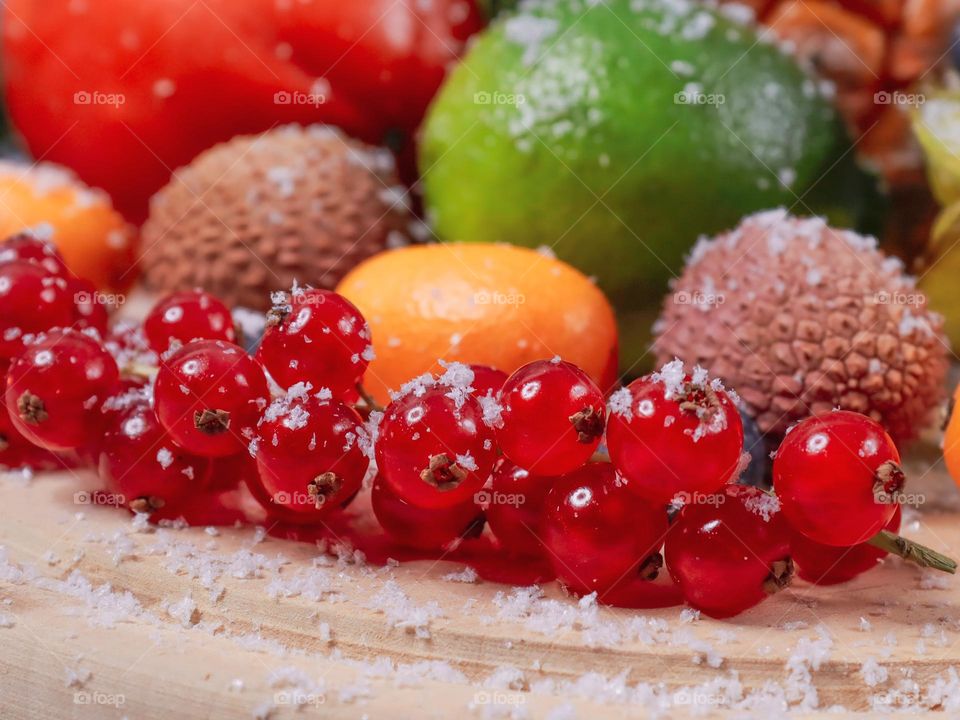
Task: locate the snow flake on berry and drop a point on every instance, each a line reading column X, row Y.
column 763, row 504
column 164, row 457
column 620, row 403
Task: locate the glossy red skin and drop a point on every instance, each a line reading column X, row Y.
column 129, row 461
column 416, row 428
column 382, row 60
column 228, row 473
column 487, row 381
column 421, row 528
column 289, row 459
column 72, row 375
column 24, row 246
column 15, row 450
column 830, row 565
column 538, row 400
column 597, row 531
column 325, row 336
column 720, row 553
column 224, row 377
column 33, row 301
column 663, row 461
column 514, row 508
column 185, row 316
column 827, row 492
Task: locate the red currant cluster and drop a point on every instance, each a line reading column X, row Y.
column 175, row 410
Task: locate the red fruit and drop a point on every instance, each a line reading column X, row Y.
column 729, row 551
column 310, row 453
column 828, row 564
column 421, row 528
column 24, row 246
column 142, row 464
column 209, row 395
column 33, row 301
column 143, row 98
column 434, row 448
column 228, row 473
column 671, row 433
column 514, row 508
column 317, row 337
column 89, row 306
column 55, row 388
column 185, row 316
column 552, row 417
column 599, row 534
column 487, row 381
column 838, row 477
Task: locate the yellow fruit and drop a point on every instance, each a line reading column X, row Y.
column 489, row 304
column 95, row 241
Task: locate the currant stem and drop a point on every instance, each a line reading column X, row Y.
column 368, row 399
column 913, row 552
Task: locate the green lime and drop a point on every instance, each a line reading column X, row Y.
column 617, row 132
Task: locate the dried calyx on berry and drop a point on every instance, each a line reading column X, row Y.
column 675, row 432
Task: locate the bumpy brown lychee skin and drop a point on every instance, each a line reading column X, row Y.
column 799, row 318
column 256, row 213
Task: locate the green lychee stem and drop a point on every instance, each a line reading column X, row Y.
column 913, row 552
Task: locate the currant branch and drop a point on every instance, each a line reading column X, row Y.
column 913, row 552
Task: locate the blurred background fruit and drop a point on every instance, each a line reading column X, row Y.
column 951, row 439
column 874, row 52
column 96, row 243
column 937, row 125
column 802, row 319
column 618, row 157
column 125, row 91
column 488, row 304
column 260, row 212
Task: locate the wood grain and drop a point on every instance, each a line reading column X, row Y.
column 162, row 661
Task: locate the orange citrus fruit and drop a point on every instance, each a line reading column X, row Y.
column 951, row 439
column 95, row 241
column 489, row 304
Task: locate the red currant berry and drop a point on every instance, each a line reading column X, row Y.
column 182, row 317
column 24, row 246
column 143, row 466
column 487, row 381
column 838, row 477
column 514, row 508
column 552, row 417
column 830, row 565
column 33, row 301
column 422, row 528
column 89, row 306
column 729, row 551
column 310, row 452
column 600, row 535
column 434, row 448
column 671, row 433
column 55, row 389
column 209, row 395
column 319, row 337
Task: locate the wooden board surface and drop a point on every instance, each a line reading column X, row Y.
column 102, row 618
